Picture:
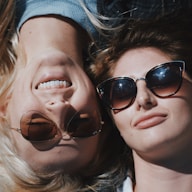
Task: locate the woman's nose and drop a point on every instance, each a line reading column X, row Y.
column 145, row 99
column 56, row 103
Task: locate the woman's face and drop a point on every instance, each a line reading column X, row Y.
column 52, row 83
column 153, row 126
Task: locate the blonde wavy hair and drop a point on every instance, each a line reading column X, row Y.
column 15, row 173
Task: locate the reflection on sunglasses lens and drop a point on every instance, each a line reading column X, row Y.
column 36, row 127
column 122, row 93
column 164, row 80
column 83, row 125
column 42, row 131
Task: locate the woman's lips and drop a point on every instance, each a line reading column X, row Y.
column 149, row 121
column 54, row 84
column 54, row 80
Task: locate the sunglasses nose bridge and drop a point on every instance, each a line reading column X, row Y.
column 145, row 97
column 140, row 79
column 141, row 86
column 65, row 136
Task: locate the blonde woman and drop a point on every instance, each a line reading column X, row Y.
column 53, row 134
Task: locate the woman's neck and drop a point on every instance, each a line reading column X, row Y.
column 158, row 177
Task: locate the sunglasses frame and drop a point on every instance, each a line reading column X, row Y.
column 99, row 89
column 58, row 133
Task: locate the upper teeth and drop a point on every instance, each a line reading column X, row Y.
column 54, row 84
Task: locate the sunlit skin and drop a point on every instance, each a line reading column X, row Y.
column 51, row 54
column 157, row 129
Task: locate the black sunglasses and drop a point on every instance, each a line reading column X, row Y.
column 39, row 129
column 163, row 81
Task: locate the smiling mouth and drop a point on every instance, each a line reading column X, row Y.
column 54, row 84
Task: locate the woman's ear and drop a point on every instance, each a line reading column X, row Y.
column 3, row 108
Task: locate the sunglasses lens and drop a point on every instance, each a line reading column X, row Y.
column 165, row 80
column 84, row 125
column 118, row 93
column 35, row 127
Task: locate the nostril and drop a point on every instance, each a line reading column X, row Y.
column 52, row 102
